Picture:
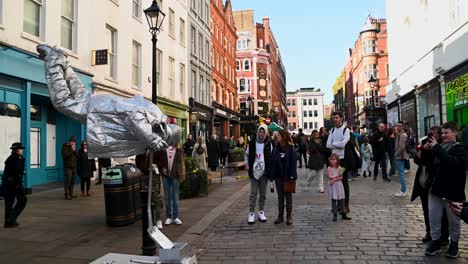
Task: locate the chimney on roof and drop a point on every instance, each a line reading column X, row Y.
column 266, row 21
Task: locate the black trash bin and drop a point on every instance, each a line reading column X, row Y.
column 122, row 194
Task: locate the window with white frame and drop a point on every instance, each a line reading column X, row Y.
column 304, row 102
column 171, row 76
column 193, row 82
column 242, row 85
column 68, row 24
column 242, row 44
column 311, row 125
column 201, row 84
column 158, row 67
column 207, row 51
column 310, row 113
column 316, row 125
column 293, row 101
column 310, row 101
column 305, row 113
column 171, row 23
column 315, row 101
column 136, row 65
column 200, row 46
column 182, row 31
column 305, row 125
column 33, row 12
column 193, row 39
column 182, row 79
column 111, row 35
column 370, row 70
column 369, row 47
column 315, row 113
column 207, row 14
column 136, row 6
column 238, row 67
column 247, row 65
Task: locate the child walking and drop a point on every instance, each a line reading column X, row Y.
column 336, row 190
column 366, row 154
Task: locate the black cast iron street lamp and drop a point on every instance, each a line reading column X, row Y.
column 155, row 18
column 372, row 82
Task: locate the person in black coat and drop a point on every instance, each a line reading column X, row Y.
column 86, row 168
column 317, row 154
column 422, row 182
column 379, row 141
column 283, row 170
column 214, row 152
column 448, row 186
column 188, row 146
column 224, row 146
column 12, row 183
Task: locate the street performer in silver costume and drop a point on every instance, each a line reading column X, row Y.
column 116, row 127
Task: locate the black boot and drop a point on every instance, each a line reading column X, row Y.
column 289, row 211
column 452, row 251
column 346, row 207
column 345, row 217
column 288, row 219
column 426, row 238
column 280, row 218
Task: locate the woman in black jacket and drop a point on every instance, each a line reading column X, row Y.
column 317, row 154
column 214, row 151
column 86, row 167
column 422, row 182
column 283, row 171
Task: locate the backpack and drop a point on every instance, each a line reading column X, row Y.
column 200, row 150
column 351, row 159
column 409, row 146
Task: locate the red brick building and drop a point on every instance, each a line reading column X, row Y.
column 363, row 104
column 223, row 61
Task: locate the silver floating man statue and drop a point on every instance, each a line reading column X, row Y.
column 115, row 126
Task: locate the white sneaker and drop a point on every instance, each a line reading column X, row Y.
column 321, row 190
column 261, row 216
column 159, row 224
column 251, row 218
column 177, row 221
column 407, row 171
column 400, row 194
column 168, row 221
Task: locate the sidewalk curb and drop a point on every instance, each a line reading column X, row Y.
column 206, row 221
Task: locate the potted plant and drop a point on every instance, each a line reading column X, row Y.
column 236, row 155
column 196, row 180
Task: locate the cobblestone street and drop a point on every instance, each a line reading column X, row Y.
column 384, row 229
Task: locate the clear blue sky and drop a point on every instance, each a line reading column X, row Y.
column 314, row 36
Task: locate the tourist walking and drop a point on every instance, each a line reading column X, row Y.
column 317, row 154
column 257, row 163
column 70, row 158
column 200, row 153
column 86, row 169
column 12, row 184
column 366, row 154
column 284, row 172
column 335, row 187
column 400, row 156
column 379, row 142
column 214, row 152
column 171, row 165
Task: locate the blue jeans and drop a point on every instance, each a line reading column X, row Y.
column 171, row 195
column 400, row 167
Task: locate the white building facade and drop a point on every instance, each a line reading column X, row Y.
column 309, row 109
column 427, row 43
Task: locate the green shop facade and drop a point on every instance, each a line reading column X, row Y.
column 456, row 94
column 27, row 116
column 176, row 113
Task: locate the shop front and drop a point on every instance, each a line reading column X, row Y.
column 200, row 121
column 408, row 113
column 456, row 93
column 393, row 115
column 429, row 107
column 221, row 121
column 234, row 124
column 27, row 116
column 176, row 114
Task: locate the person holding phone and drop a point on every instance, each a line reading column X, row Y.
column 448, row 186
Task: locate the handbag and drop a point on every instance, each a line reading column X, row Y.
column 289, row 186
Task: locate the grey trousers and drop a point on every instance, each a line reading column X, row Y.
column 68, row 180
column 257, row 186
column 436, row 209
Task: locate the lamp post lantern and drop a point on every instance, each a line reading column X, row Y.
column 372, row 82
column 155, row 18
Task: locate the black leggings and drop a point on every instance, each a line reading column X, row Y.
column 86, row 181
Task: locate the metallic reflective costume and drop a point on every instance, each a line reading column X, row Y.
column 116, row 127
